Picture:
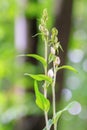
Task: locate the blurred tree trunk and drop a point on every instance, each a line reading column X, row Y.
column 63, row 24
column 32, row 42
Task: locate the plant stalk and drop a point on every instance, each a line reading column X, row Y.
column 53, row 96
column 45, row 89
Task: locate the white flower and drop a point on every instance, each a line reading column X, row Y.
column 50, row 73
column 57, row 61
column 52, row 50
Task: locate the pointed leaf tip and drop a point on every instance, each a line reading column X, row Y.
column 40, row 77
column 37, row 57
column 59, row 113
column 68, row 67
column 70, row 105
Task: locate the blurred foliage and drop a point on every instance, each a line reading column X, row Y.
column 15, row 102
column 8, row 9
column 76, row 85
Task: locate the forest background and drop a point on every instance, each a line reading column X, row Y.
column 19, row 21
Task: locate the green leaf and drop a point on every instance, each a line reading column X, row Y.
column 67, row 67
column 50, row 122
column 37, row 34
column 37, row 57
column 42, row 102
column 70, row 105
column 39, row 77
column 51, row 57
column 58, row 114
column 61, row 47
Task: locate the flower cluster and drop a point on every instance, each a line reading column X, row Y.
column 54, row 47
column 42, row 26
column 54, row 39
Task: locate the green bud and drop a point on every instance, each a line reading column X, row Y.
column 56, row 40
column 41, row 28
column 52, row 50
column 57, row 45
column 46, row 32
column 54, row 31
column 42, row 21
column 57, row 61
column 45, row 15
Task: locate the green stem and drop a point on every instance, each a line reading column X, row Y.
column 53, row 96
column 45, row 89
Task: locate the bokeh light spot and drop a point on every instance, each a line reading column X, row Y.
column 66, row 94
column 75, row 55
column 75, row 109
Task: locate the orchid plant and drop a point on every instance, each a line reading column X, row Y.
column 50, row 40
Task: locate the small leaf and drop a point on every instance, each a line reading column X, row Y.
column 37, row 34
column 61, row 47
column 70, row 105
column 51, row 57
column 50, row 122
column 37, row 57
column 58, row 114
column 67, row 67
column 39, row 77
column 42, row 102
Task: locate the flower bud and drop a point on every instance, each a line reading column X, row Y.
column 57, row 61
column 46, row 32
column 40, row 27
column 42, row 21
column 57, row 45
column 52, row 50
column 50, row 73
column 45, row 15
column 54, row 31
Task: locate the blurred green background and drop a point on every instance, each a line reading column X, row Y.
column 19, row 21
